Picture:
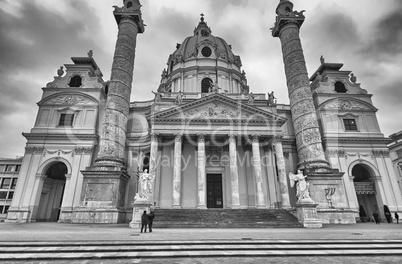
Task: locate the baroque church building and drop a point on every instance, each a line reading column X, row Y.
column 207, row 140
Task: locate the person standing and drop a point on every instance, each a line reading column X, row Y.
column 375, row 215
column 151, row 217
column 144, row 221
column 397, row 217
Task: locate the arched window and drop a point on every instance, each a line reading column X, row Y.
column 205, row 84
column 340, row 87
column 76, row 81
column 145, row 164
column 171, row 65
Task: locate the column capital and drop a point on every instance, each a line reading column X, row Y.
column 178, row 137
column 200, row 137
column 154, row 137
column 255, row 138
column 132, row 13
column 232, row 137
column 277, row 138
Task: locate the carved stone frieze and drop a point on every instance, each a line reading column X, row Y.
column 345, row 105
column 34, row 150
column 336, row 153
column 58, row 151
column 380, row 153
column 83, row 150
column 70, row 99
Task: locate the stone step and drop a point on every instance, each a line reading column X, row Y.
column 80, row 250
column 221, row 218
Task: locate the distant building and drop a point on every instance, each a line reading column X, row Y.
column 205, row 137
column 9, row 170
column 395, row 149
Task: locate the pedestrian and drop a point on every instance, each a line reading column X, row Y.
column 397, row 217
column 144, row 221
column 375, row 215
column 151, row 217
column 388, row 217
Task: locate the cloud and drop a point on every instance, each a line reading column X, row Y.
column 34, row 42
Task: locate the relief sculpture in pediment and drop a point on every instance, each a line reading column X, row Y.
column 213, row 110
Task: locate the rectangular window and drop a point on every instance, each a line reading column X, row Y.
column 9, row 167
column 10, row 195
column 3, row 195
column 6, row 208
column 1, row 209
column 14, row 183
column 350, row 124
column 2, row 167
column 17, row 168
column 66, row 120
column 6, row 183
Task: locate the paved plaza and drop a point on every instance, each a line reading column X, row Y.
column 75, row 232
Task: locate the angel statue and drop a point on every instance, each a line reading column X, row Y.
column 302, row 185
column 145, row 181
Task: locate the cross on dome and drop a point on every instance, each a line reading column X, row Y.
column 202, row 17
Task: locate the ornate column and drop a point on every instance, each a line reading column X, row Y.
column 234, row 177
column 113, row 137
column 153, row 160
column 308, row 139
column 202, row 182
column 280, row 163
column 104, row 184
column 177, row 172
column 256, row 163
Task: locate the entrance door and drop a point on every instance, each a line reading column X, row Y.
column 214, row 191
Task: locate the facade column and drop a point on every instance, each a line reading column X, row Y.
column 234, row 176
column 202, row 180
column 177, row 172
column 280, row 163
column 305, row 123
column 153, row 162
column 256, row 163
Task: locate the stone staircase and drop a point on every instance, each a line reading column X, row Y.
column 224, row 218
column 64, row 251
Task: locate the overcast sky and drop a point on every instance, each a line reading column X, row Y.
column 38, row 36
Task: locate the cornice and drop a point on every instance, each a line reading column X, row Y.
column 59, row 136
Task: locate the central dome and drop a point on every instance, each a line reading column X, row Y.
column 203, row 61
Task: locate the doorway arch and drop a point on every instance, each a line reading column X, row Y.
column 52, row 192
column 365, row 190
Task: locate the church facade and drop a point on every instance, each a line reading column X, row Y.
column 207, row 140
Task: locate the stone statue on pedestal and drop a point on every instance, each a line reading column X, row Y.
column 145, row 181
column 302, row 185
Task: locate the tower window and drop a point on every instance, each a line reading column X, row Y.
column 340, row 87
column 129, row 4
column 206, row 52
column 66, row 120
column 205, row 84
column 76, row 81
column 350, row 124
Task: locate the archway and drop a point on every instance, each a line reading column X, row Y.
column 365, row 191
column 52, row 192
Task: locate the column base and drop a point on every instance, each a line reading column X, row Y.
column 236, row 206
column 176, row 207
column 307, row 214
column 202, row 207
column 138, row 210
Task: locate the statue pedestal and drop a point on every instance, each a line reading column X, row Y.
column 140, row 205
column 306, row 210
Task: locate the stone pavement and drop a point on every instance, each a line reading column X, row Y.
column 75, row 232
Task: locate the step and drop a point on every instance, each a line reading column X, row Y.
column 80, row 250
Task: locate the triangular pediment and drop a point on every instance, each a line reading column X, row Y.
column 219, row 108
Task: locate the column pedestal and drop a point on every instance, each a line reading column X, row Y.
column 307, row 214
column 139, row 207
column 102, row 199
